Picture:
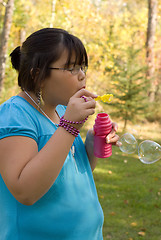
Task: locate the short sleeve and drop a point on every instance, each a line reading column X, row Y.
column 16, row 121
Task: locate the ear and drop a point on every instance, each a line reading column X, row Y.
column 34, row 72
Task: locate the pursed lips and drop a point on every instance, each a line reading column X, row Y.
column 83, row 87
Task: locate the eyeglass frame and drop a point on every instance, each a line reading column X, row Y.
column 71, row 70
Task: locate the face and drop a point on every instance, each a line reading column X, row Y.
column 61, row 85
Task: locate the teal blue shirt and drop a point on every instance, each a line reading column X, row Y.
column 70, row 210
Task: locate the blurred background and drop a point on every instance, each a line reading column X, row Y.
column 123, row 41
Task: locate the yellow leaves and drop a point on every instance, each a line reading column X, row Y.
column 109, row 172
column 102, row 196
column 126, row 201
column 133, row 224
column 112, row 213
column 141, row 234
column 155, row 179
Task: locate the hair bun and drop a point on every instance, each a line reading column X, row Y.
column 15, row 58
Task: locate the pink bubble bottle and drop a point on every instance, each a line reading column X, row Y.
column 102, row 128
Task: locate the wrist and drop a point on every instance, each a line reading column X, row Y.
column 67, row 125
column 75, row 124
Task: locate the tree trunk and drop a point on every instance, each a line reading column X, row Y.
column 53, row 13
column 5, row 36
column 125, row 122
column 152, row 19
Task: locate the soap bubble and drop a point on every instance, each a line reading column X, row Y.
column 149, row 151
column 133, row 131
column 129, row 143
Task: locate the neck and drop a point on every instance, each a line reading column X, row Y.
column 49, row 110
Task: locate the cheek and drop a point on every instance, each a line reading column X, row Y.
column 62, row 87
column 67, row 84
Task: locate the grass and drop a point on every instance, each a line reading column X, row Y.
column 130, row 192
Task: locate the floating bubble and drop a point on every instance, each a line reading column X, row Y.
column 129, row 143
column 149, row 152
column 134, row 132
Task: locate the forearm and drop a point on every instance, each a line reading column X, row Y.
column 89, row 145
column 92, row 159
column 40, row 172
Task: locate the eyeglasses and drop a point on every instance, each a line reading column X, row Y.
column 75, row 70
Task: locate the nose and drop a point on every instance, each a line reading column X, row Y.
column 81, row 75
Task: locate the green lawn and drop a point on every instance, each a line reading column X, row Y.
column 130, row 194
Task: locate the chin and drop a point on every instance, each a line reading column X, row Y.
column 65, row 103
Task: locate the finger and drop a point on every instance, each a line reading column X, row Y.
column 85, row 93
column 86, row 99
column 118, row 144
column 90, row 111
column 115, row 126
column 113, row 140
column 110, row 135
column 89, row 98
column 90, row 104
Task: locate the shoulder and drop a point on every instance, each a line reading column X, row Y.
column 16, row 118
column 14, row 103
column 15, row 109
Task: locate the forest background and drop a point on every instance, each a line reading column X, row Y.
column 123, row 41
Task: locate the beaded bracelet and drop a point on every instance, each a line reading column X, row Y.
column 66, row 123
column 74, row 131
column 62, row 119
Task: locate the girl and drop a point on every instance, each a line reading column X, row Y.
column 47, row 191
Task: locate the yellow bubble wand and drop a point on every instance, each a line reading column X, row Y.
column 105, row 98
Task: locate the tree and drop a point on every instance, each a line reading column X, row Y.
column 53, row 13
column 5, row 37
column 152, row 17
column 129, row 87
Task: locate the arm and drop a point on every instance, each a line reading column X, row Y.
column 89, row 144
column 28, row 173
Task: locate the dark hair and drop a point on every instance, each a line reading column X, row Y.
column 40, row 49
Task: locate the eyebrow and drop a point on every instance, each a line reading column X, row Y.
column 72, row 63
column 65, row 64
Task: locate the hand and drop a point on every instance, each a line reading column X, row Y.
column 77, row 109
column 112, row 137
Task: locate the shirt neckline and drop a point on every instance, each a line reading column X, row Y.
column 53, row 123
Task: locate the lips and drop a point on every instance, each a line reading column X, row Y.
column 83, row 87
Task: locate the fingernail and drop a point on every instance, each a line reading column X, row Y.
column 107, row 140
